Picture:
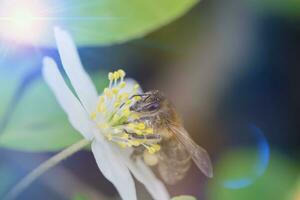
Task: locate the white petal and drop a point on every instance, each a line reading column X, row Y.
column 113, row 169
column 80, row 80
column 69, row 103
column 145, row 175
column 130, row 83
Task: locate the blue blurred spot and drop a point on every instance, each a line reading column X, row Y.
column 260, row 166
column 263, row 151
column 238, row 183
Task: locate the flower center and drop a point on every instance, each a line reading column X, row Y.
column 117, row 122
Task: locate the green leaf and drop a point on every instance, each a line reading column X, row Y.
column 276, row 182
column 9, row 79
column 80, row 197
column 105, row 22
column 184, row 197
column 38, row 123
column 287, row 8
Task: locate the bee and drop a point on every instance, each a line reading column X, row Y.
column 177, row 148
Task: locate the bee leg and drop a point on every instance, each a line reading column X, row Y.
column 137, row 153
column 151, row 138
column 154, row 138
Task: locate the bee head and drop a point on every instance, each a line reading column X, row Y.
column 150, row 102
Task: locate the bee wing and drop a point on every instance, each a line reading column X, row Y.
column 199, row 155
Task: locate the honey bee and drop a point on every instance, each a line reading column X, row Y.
column 177, row 148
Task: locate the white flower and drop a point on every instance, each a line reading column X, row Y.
column 100, row 119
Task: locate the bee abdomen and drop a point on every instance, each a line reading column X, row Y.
column 174, row 162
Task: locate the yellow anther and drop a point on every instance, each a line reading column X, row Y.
column 138, row 132
column 101, row 99
column 117, row 104
column 109, row 137
column 136, row 86
column 125, row 95
column 100, row 104
column 122, row 145
column 122, row 84
column 100, row 107
column 151, row 150
column 149, row 130
column 134, row 142
column 126, row 112
column 110, row 76
column 115, row 91
column 116, row 75
column 107, row 92
column 93, row 115
column 128, row 102
column 141, row 126
column 138, row 127
column 103, row 125
column 154, row 148
column 137, row 98
column 116, row 117
column 121, row 73
column 134, row 115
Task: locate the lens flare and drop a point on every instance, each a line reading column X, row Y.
column 260, row 165
column 20, row 21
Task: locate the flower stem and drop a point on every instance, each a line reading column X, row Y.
column 42, row 168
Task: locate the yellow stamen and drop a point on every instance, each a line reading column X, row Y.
column 107, row 92
column 128, row 102
column 109, row 137
column 122, row 145
column 154, row 148
column 149, row 130
column 137, row 98
column 116, row 75
column 136, row 86
column 101, row 99
column 125, row 136
column 138, row 132
column 103, row 126
column 93, row 115
column 117, row 104
column 122, row 84
column 101, row 107
column 115, row 91
column 134, row 116
column 121, row 73
column 141, row 126
column 134, row 142
column 110, row 76
column 126, row 112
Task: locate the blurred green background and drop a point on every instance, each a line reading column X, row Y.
column 231, row 68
